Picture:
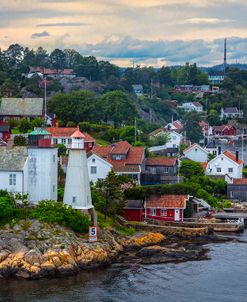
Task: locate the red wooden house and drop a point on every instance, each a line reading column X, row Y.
column 4, row 131
column 225, row 130
column 166, row 207
column 134, row 210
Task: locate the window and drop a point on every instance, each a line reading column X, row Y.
column 12, row 179
column 174, row 146
column 230, row 170
column 73, row 199
column 231, row 194
column 53, row 188
column 163, row 212
column 153, row 211
column 218, row 169
column 55, row 141
column 54, row 158
column 166, row 170
column 93, row 160
column 195, row 149
column 93, row 170
column 214, row 152
column 222, row 158
column 63, row 140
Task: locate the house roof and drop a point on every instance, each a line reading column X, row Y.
column 197, row 104
column 39, row 131
column 194, row 146
column 78, row 134
column 157, row 131
column 134, row 156
column 203, row 124
column 49, row 71
column 21, row 107
column 13, row 159
column 240, row 181
column 134, row 204
column 230, row 110
column 67, row 132
column 167, row 201
column 233, row 157
column 222, row 127
column 137, row 86
column 161, row 161
column 121, row 147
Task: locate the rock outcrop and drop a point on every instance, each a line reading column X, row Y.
column 33, row 250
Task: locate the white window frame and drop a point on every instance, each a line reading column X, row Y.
column 231, row 194
column 12, row 179
column 218, row 170
column 166, row 169
column 73, row 199
column 230, row 170
column 153, row 211
column 93, row 170
column 163, row 213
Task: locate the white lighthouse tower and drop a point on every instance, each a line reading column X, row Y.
column 77, row 187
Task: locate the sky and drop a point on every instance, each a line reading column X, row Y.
column 127, row 32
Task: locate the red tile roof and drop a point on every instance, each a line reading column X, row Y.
column 161, row 161
column 240, row 181
column 134, row 156
column 233, row 157
column 67, row 132
column 177, row 124
column 120, row 148
column 167, row 201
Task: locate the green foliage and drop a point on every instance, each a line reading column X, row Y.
column 20, row 140
column 56, row 212
column 62, row 150
column 191, row 168
column 160, row 139
column 37, row 122
column 24, row 125
column 70, row 124
column 188, row 212
column 7, row 208
column 192, row 127
column 126, row 231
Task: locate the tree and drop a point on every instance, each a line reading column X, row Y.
column 57, row 58
column 191, row 168
column 111, row 201
column 24, row 125
column 20, row 140
column 192, row 127
column 213, row 118
column 160, row 139
column 118, row 108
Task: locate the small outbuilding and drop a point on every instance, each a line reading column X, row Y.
column 166, row 207
column 134, row 210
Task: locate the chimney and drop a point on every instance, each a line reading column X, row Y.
column 219, row 150
column 237, row 157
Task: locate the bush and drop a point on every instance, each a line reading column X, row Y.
column 20, row 141
column 7, row 208
column 56, row 212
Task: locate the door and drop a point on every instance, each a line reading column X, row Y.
column 177, row 215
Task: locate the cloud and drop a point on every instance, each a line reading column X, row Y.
column 40, row 35
column 206, row 21
column 62, row 24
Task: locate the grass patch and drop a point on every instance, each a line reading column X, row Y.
column 127, row 231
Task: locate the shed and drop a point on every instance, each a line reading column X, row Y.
column 134, row 210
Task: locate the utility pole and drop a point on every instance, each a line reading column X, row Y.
column 135, row 131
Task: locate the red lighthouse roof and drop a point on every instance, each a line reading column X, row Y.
column 78, row 134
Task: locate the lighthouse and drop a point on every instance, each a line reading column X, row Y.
column 77, row 187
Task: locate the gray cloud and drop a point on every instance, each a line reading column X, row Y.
column 40, row 35
column 62, row 24
column 173, row 52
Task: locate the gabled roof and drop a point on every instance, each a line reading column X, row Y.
column 39, row 131
column 222, row 127
column 194, row 146
column 230, row 110
column 134, row 204
column 26, row 107
column 134, row 156
column 67, row 132
column 197, row 104
column 167, row 201
column 13, row 159
column 233, row 157
column 121, row 147
column 161, row 161
column 78, row 134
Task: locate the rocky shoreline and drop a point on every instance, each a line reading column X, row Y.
column 34, row 250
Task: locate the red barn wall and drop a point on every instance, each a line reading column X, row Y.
column 133, row 214
column 170, row 215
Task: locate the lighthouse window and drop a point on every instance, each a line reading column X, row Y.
column 93, row 170
column 73, row 199
column 12, row 179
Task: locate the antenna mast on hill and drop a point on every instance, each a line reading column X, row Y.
column 224, row 64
